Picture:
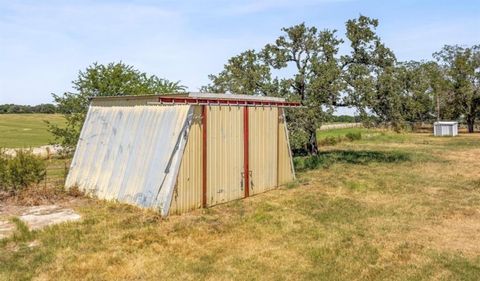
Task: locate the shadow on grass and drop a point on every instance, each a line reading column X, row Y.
column 327, row 158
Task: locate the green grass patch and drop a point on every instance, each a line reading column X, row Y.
column 342, row 132
column 325, row 159
column 26, row 130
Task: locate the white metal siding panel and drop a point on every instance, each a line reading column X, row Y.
column 123, row 153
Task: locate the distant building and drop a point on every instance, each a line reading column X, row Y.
column 445, row 128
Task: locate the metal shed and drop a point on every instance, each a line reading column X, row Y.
column 181, row 152
column 445, row 128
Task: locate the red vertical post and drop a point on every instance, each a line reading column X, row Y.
column 279, row 118
column 245, row 151
column 204, row 156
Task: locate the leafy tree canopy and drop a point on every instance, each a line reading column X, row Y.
column 113, row 79
column 461, row 69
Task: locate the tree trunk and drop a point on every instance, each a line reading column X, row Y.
column 313, row 144
column 470, row 123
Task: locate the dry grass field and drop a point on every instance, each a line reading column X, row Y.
column 386, row 207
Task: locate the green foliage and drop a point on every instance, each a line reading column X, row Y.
column 316, row 81
column 20, row 171
column 245, row 74
column 328, row 158
column 3, row 171
column 113, row 79
column 22, row 232
column 461, row 74
column 333, row 140
column 330, row 141
column 343, row 119
column 353, row 136
column 368, row 78
column 16, row 108
column 320, row 76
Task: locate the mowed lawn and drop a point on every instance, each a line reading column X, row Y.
column 26, row 130
column 387, row 207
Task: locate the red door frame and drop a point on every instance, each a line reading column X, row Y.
column 204, row 156
column 245, row 152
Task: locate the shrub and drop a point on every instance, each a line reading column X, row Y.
column 20, row 171
column 3, row 170
column 352, row 136
column 328, row 158
column 329, row 141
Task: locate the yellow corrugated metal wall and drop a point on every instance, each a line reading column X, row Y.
column 188, row 190
column 285, row 169
column 263, row 134
column 269, row 156
column 224, row 154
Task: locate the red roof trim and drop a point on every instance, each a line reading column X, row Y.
column 193, row 100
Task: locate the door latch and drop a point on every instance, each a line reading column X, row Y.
column 251, row 178
column 242, row 180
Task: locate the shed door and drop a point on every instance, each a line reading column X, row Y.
column 225, row 162
column 263, row 146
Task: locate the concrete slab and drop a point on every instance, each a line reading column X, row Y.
column 35, row 217
column 41, row 216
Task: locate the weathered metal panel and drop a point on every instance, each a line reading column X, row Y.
column 123, row 100
column 233, row 97
column 286, row 172
column 263, row 134
column 131, row 153
column 188, row 191
column 224, row 154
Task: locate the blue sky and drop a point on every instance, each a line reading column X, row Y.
column 43, row 44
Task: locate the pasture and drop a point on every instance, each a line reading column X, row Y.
column 26, row 130
column 386, row 207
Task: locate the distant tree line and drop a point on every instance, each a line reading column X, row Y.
column 16, row 108
column 344, row 119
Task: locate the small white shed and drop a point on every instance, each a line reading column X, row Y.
column 445, row 128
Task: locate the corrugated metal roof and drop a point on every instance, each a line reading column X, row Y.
column 131, row 153
column 192, row 95
column 233, row 96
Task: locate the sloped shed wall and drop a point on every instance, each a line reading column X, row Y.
column 187, row 195
column 130, row 153
column 285, row 165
